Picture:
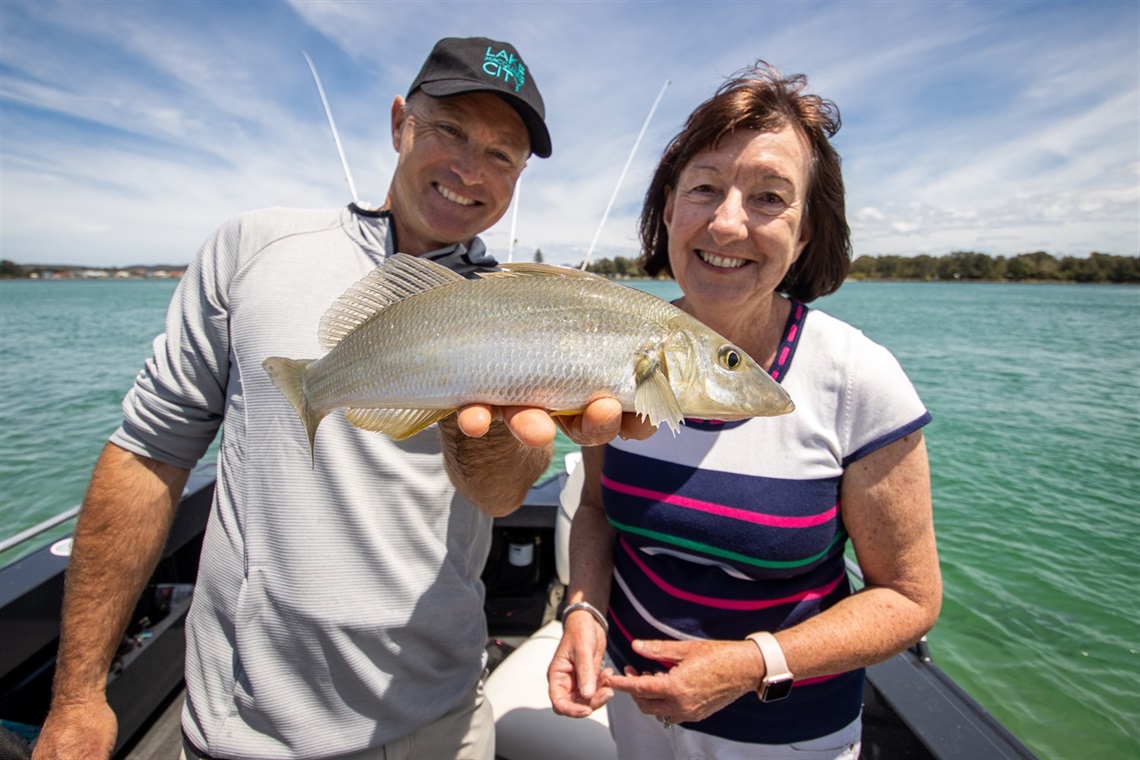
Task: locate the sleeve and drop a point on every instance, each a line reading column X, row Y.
column 881, row 404
column 175, row 407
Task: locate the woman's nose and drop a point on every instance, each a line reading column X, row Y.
column 729, row 220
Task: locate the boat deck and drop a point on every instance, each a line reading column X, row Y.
column 164, row 737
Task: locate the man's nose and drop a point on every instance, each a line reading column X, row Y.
column 468, row 164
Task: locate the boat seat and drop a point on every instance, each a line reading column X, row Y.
column 525, row 724
column 567, row 505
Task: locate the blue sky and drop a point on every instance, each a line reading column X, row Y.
column 130, row 130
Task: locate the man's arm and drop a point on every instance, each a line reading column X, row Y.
column 494, row 464
column 123, row 525
column 494, row 471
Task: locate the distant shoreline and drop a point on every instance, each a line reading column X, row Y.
column 961, row 266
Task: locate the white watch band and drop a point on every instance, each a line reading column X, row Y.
column 776, row 673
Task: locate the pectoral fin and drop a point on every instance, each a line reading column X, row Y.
column 396, row 423
column 653, row 397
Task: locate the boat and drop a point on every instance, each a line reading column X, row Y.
column 912, row 708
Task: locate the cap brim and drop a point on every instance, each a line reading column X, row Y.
column 535, row 126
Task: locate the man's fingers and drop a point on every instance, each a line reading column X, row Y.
column 475, row 419
column 636, row 428
column 530, row 426
column 600, row 422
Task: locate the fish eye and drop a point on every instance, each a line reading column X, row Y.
column 730, row 357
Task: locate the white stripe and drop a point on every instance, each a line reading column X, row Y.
column 668, row 630
column 656, row 550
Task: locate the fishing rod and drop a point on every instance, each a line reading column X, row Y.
column 514, row 218
column 335, row 134
column 621, row 178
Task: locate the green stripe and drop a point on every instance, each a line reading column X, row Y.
column 724, row 553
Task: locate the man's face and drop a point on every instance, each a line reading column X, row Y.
column 460, row 157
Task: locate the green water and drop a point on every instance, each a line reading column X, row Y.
column 1035, row 454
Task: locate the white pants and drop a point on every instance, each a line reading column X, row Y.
column 642, row 737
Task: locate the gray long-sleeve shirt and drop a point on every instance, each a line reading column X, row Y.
column 338, row 604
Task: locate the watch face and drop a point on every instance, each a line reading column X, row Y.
column 777, row 689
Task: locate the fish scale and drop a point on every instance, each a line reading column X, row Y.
column 412, row 342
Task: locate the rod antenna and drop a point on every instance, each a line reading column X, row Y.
column 332, row 125
column 621, row 177
column 514, row 218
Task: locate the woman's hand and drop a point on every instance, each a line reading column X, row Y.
column 705, row 677
column 576, row 670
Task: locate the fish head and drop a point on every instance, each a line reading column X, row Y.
column 716, row 380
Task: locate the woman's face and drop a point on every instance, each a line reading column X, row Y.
column 736, row 220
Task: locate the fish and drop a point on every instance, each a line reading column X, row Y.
column 412, row 342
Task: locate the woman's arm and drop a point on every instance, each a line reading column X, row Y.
column 574, row 672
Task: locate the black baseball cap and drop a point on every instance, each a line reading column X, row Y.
column 478, row 64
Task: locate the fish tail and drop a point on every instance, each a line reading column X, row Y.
column 288, row 376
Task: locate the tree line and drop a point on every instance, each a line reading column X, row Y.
column 1024, row 267
column 958, row 266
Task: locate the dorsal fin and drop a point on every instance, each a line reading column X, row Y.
column 538, row 270
column 399, row 277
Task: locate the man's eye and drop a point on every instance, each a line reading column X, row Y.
column 502, row 158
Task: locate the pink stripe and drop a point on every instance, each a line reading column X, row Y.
column 784, row 355
column 799, row 311
column 817, row 679
column 792, row 333
column 727, row 604
column 629, row 638
column 669, row 665
column 720, row 510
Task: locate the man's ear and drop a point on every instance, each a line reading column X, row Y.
column 399, row 118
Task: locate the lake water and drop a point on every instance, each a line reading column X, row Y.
column 1035, row 455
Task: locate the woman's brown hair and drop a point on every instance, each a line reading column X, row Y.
column 760, row 98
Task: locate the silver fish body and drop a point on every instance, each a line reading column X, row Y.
column 413, row 341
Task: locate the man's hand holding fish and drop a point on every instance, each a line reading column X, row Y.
column 600, row 423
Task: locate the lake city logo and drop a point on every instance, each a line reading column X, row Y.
column 505, row 65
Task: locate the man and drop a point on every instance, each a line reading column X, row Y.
column 338, row 606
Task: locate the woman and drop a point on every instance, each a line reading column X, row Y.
column 717, row 555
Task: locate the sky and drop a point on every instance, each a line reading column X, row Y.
column 129, row 131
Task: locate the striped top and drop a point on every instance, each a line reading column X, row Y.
column 736, row 527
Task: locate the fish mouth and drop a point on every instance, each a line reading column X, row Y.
column 720, row 262
column 454, row 197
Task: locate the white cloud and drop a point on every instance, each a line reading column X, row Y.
column 130, row 130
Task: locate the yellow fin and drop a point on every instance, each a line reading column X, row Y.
column 653, row 396
column 287, row 375
column 397, row 423
column 564, row 412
